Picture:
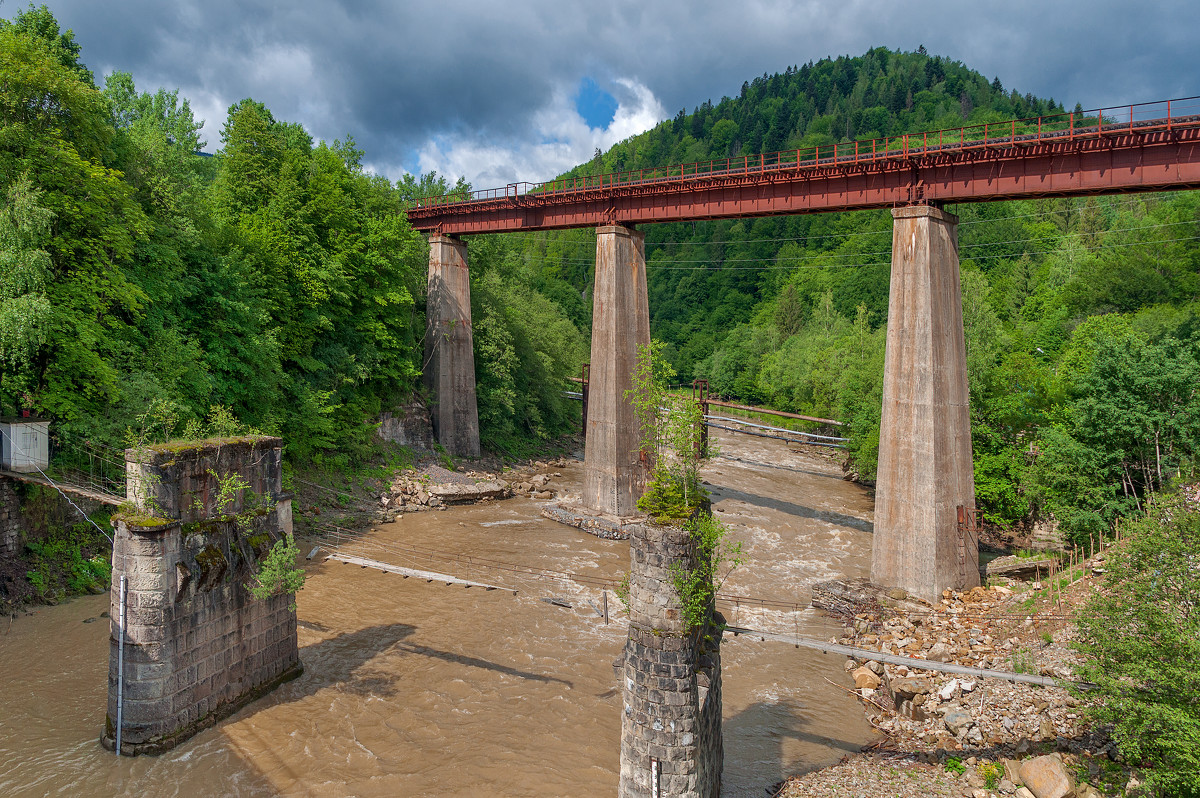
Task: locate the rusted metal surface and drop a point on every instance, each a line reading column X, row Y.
column 700, row 397
column 1146, row 147
column 584, row 377
column 769, row 412
column 968, row 542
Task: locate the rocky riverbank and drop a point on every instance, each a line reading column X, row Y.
column 435, row 487
column 944, row 734
column 427, row 485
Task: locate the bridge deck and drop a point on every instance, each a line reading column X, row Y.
column 1055, row 156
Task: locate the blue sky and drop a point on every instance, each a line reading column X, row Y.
column 504, row 92
column 594, row 104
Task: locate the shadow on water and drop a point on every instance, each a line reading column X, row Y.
column 777, row 738
column 343, row 661
column 790, row 508
column 475, row 662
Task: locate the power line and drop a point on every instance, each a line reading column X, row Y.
column 1096, row 248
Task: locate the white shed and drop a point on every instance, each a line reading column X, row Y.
column 24, row 444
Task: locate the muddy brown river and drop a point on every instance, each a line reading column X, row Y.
column 413, row 688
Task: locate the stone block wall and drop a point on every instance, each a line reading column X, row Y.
column 671, row 678
column 198, row 646
column 10, row 519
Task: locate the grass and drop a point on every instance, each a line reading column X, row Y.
column 1022, row 662
column 74, row 561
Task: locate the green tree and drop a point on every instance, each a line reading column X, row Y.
column 25, row 267
column 38, row 24
column 54, row 129
column 1140, row 638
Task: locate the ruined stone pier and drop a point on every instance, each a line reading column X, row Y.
column 197, row 645
column 925, row 466
column 671, row 741
column 449, row 371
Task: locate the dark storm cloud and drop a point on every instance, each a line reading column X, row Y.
column 398, row 75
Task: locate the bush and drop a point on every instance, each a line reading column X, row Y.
column 60, row 567
column 1141, row 640
column 716, row 558
column 278, row 573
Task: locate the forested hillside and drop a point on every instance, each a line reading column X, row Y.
column 1081, row 314
column 142, row 283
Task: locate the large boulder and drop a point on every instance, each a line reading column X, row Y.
column 957, row 722
column 864, row 677
column 1017, row 567
column 940, row 652
column 909, row 688
column 1046, row 777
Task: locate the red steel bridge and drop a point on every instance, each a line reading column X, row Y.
column 1144, row 147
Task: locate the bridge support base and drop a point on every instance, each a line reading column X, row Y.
column 671, row 741
column 612, row 476
column 449, row 358
column 925, row 466
column 194, row 645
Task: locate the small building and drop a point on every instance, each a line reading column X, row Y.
column 24, row 444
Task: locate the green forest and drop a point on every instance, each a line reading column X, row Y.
column 150, row 277
column 144, row 283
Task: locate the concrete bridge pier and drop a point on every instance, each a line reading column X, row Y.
column 449, row 371
column 613, row 476
column 925, row 465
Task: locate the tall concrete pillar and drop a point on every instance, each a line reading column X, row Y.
column 612, row 476
column 449, row 358
column 925, row 467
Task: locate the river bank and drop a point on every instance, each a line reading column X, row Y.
column 947, row 735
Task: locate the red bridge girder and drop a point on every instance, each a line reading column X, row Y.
column 1104, row 158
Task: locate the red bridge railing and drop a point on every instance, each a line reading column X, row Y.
column 1055, row 128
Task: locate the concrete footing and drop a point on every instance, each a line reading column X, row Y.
column 671, row 741
column 613, row 475
column 449, row 357
column 602, row 525
column 925, row 466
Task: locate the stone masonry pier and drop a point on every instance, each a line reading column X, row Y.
column 197, row 645
column 671, row 679
column 925, row 466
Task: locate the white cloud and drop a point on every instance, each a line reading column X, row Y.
column 558, row 139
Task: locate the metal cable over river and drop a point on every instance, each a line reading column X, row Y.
column 415, row 688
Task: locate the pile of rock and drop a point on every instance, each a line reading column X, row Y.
column 921, row 776
column 412, row 494
column 533, row 480
column 934, row 708
column 435, row 487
